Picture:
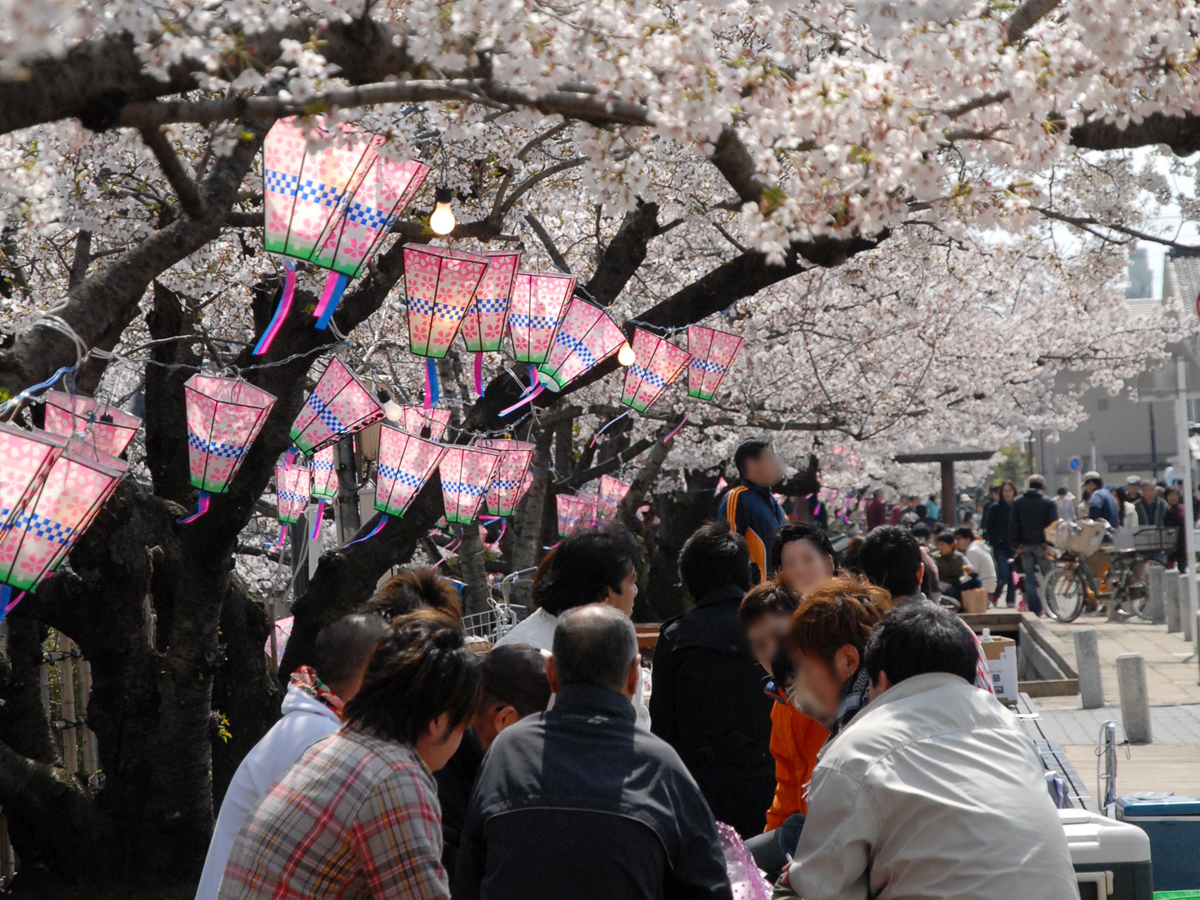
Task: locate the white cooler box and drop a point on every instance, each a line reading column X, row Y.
column 1111, row 858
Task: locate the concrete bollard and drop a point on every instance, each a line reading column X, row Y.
column 1171, row 600
column 1156, row 585
column 1187, row 623
column 1135, row 697
column 1087, row 663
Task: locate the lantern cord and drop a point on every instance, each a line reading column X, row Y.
column 28, row 393
column 478, row 374
column 674, row 431
column 6, row 605
column 281, row 311
column 335, row 285
column 366, row 537
column 431, row 382
column 607, row 425
column 320, row 517
column 201, row 509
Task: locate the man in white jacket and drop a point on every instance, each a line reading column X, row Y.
column 933, row 791
column 311, row 711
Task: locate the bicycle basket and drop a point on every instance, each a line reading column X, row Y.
column 1086, row 537
column 493, row 623
column 1058, row 535
column 1151, row 539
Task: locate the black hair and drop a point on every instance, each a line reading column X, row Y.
column 921, row 510
column 890, row 559
column 946, row 537
column 748, row 450
column 1037, row 483
column 582, row 569
column 964, row 531
column 421, row 669
column 714, row 556
column 921, row 530
column 914, row 639
column 344, row 646
column 1062, row 492
column 799, row 532
column 515, row 675
column 595, row 645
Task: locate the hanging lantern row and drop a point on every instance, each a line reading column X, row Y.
column 108, row 427
column 331, row 207
column 339, row 405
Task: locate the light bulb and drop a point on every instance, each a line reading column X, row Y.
column 393, row 410
column 626, row 356
column 442, row 220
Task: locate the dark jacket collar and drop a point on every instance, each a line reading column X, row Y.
column 724, row 592
column 587, row 699
column 757, row 488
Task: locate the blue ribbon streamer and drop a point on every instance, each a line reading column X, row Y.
column 335, row 298
column 432, row 391
column 366, row 537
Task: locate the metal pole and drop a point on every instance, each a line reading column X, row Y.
column 948, row 502
column 66, row 687
column 1153, row 445
column 1185, row 464
column 348, row 521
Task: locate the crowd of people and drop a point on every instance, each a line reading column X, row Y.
column 822, row 707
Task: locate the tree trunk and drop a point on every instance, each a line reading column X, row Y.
column 470, row 556
column 527, row 537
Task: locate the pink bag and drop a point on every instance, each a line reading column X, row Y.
column 745, row 879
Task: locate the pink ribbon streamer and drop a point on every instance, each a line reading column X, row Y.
column 316, row 529
column 366, row 537
column 4, row 594
column 479, row 374
column 281, row 311
column 282, row 535
column 675, row 430
column 448, row 551
column 331, row 283
column 607, row 424
column 201, row 509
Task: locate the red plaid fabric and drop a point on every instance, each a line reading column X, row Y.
column 355, row 817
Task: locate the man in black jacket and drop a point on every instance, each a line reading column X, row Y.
column 1032, row 512
column 579, row 802
column 708, row 702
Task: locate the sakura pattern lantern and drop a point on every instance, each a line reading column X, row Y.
column 224, row 416
column 293, row 485
column 440, row 285
column 324, row 484
column 330, row 207
column 586, row 337
column 405, row 464
column 509, row 485
column 612, row 492
column 60, row 507
column 538, row 299
column 467, row 474
column 575, row 512
column 339, row 405
column 25, row 460
column 712, row 354
column 486, row 315
column 658, row 363
column 108, row 427
column 416, row 419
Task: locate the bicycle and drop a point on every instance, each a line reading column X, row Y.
column 501, row 616
column 1072, row 580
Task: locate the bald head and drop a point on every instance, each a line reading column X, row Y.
column 596, row 645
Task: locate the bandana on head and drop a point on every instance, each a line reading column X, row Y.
column 305, row 678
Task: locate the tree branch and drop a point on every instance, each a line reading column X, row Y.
column 547, row 242
column 1086, row 222
column 185, row 189
column 1180, row 133
column 1027, row 15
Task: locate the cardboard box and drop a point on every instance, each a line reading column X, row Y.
column 974, row 601
column 1001, row 653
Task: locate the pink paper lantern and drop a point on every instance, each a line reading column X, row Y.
column 56, row 513
column 339, row 405
column 658, row 363
column 324, row 474
column 486, row 314
column 25, row 460
column 293, row 487
column 416, row 420
column 405, row 464
column 712, row 354
column 224, row 416
column 612, row 492
column 509, row 485
column 108, row 427
column 575, row 512
column 467, row 473
column 440, row 285
column 586, row 337
column 538, row 300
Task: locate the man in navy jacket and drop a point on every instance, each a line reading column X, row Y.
column 750, row 509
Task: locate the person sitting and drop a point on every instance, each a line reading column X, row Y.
column 514, row 686
column 708, row 701
column 826, row 641
column 955, row 574
column 934, row 791
column 893, row 560
column 578, row 802
column 796, row 739
column 358, row 815
column 311, row 710
column 979, row 555
column 586, row 567
column 413, row 589
column 802, row 557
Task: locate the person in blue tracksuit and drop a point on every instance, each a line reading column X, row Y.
column 750, row 508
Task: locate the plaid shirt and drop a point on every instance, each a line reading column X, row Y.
column 357, row 816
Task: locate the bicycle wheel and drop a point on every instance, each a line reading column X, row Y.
column 1141, row 602
column 1065, row 594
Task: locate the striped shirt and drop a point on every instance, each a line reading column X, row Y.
column 357, row 816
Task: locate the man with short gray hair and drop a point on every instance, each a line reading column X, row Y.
column 577, row 802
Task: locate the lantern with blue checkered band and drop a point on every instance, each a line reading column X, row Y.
column 712, row 354
column 467, row 473
column 657, row 363
column 426, row 423
column 109, row 428
column 612, row 492
column 339, row 405
column 57, row 508
column 224, row 416
column 405, row 463
column 575, row 512
column 487, row 314
column 293, row 487
column 538, row 299
column 324, row 483
column 509, row 484
column 331, row 193
column 586, row 337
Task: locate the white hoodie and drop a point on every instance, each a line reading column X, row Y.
column 305, row 721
